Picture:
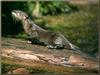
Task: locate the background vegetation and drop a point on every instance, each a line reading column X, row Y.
column 79, row 23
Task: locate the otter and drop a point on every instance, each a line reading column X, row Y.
column 49, row 38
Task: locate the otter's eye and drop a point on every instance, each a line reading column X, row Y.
column 26, row 17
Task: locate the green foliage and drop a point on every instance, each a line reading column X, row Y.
column 30, row 6
column 56, row 7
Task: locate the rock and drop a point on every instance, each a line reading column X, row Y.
column 19, row 50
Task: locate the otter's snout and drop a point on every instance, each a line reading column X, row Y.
column 14, row 13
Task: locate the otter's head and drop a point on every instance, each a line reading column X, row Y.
column 19, row 15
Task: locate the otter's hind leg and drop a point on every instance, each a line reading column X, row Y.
column 59, row 42
column 56, row 43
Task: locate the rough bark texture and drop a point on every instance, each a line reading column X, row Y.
column 20, row 50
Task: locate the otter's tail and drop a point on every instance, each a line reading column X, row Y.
column 71, row 46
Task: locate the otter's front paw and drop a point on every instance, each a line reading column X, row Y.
column 29, row 42
column 50, row 47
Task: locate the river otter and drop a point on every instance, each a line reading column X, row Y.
column 50, row 39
